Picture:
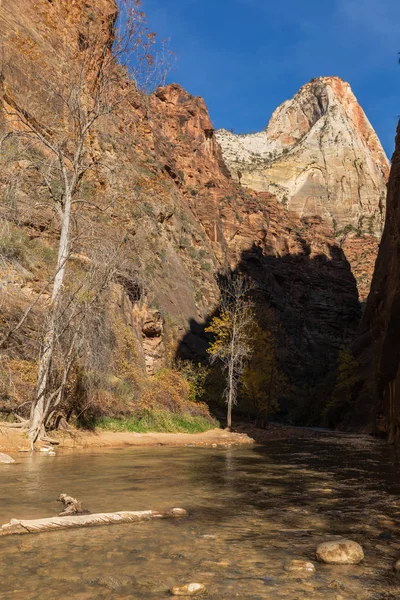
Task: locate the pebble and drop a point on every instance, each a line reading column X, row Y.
column 300, row 565
column 190, row 589
column 179, row 512
column 343, row 552
column 389, row 523
column 336, row 585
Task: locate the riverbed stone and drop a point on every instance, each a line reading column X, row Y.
column 300, row 566
column 335, row 584
column 190, row 589
column 342, row 552
column 396, row 565
column 5, row 459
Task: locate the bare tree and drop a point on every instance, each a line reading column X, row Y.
column 231, row 328
column 90, row 81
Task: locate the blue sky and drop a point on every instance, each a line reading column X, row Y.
column 245, row 57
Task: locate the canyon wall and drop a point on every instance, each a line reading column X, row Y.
column 165, row 188
column 377, row 347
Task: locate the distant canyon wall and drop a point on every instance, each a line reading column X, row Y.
column 319, row 155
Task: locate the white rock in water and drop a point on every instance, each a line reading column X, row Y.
column 343, row 552
column 4, row 458
column 300, row 565
column 45, row 449
column 179, row 512
column 190, row 589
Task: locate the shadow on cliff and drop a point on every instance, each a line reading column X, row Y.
column 311, row 305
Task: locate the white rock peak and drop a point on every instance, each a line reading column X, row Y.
column 319, row 155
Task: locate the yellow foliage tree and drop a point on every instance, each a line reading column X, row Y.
column 346, row 373
column 232, row 332
column 263, row 381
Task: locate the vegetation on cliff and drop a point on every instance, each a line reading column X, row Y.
column 57, row 122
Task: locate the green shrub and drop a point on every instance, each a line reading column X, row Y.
column 196, row 375
column 14, row 244
column 158, row 421
column 17, row 247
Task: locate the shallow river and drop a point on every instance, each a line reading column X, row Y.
column 251, row 511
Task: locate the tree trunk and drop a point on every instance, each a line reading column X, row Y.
column 15, row 526
column 39, row 408
column 230, row 397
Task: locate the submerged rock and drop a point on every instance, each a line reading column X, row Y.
column 336, row 585
column 300, row 566
column 190, row 589
column 178, row 512
column 396, row 565
column 4, row 458
column 344, row 552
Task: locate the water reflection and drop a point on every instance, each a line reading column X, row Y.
column 252, row 510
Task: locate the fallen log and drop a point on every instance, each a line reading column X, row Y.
column 16, row 526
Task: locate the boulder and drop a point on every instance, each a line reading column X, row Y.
column 190, row 589
column 4, row 458
column 343, row 552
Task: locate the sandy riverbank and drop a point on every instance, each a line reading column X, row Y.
column 14, row 440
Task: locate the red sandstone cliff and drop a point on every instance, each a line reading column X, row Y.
column 169, row 188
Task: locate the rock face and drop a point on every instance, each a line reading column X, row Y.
column 344, row 552
column 297, row 264
column 184, row 218
column 377, row 347
column 319, row 156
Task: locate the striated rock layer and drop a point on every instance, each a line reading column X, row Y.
column 377, row 347
column 166, row 189
column 319, row 155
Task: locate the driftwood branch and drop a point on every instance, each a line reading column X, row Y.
column 16, row 526
column 72, row 506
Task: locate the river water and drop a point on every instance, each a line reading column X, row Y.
column 252, row 509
